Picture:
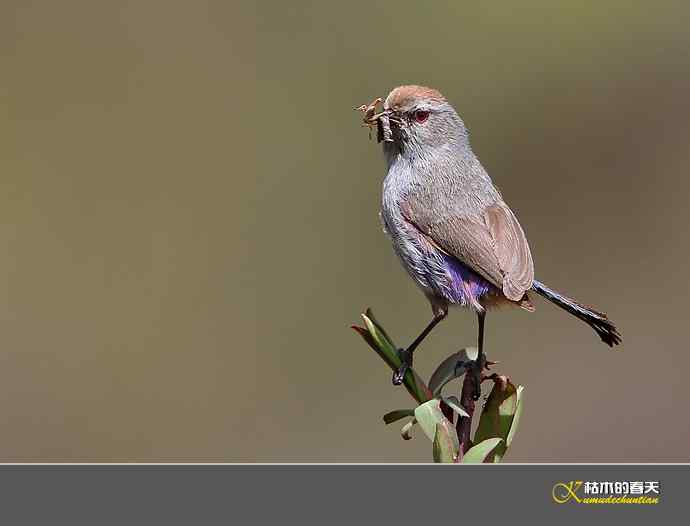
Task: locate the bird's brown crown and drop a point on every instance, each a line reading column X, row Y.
column 406, row 96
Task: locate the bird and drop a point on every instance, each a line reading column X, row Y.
column 449, row 225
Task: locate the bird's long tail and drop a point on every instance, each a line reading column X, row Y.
column 604, row 327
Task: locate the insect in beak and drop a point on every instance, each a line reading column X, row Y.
column 380, row 120
column 370, row 116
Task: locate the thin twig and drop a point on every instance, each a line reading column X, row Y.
column 464, row 424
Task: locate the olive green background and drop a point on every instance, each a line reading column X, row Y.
column 189, row 224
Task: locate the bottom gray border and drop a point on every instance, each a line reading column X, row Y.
column 326, row 494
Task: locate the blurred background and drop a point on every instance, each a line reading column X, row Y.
column 190, row 224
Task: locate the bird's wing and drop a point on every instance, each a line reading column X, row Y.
column 492, row 243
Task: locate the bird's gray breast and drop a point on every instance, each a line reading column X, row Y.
column 421, row 260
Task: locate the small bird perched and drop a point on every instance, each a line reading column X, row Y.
column 449, row 225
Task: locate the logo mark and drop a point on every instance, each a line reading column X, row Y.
column 563, row 492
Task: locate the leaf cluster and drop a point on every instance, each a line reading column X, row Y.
column 438, row 415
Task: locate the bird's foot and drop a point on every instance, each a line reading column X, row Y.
column 405, row 364
column 476, row 369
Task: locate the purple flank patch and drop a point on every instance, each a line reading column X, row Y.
column 464, row 282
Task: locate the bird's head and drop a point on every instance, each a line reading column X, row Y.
column 421, row 120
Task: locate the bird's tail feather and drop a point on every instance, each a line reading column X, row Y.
column 604, row 327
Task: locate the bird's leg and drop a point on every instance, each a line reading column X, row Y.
column 480, row 363
column 406, row 354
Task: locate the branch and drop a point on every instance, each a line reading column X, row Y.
column 464, row 424
column 435, row 412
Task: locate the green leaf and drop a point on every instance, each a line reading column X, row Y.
column 379, row 327
column 452, row 367
column 406, row 431
column 454, row 404
column 396, row 415
column 500, row 416
column 516, row 416
column 480, row 452
column 429, row 415
column 416, row 386
column 445, row 450
column 364, row 333
column 378, row 340
column 384, row 347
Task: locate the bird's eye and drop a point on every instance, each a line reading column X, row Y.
column 421, row 116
